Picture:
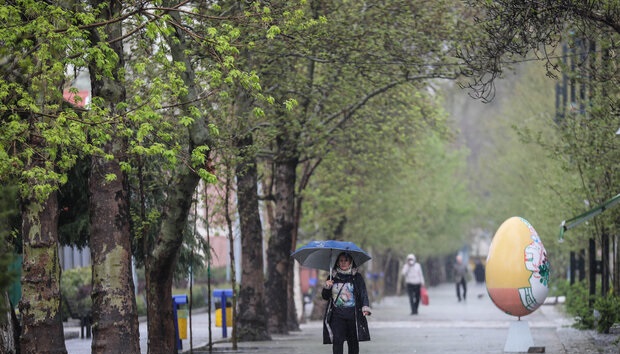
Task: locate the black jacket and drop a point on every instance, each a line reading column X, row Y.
column 361, row 300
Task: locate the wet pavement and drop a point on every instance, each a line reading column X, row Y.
column 474, row 326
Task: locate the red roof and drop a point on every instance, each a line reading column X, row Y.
column 71, row 97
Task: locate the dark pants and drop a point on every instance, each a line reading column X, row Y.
column 413, row 290
column 461, row 283
column 344, row 329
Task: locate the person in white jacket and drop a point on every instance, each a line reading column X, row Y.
column 414, row 279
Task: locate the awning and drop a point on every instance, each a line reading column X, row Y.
column 569, row 224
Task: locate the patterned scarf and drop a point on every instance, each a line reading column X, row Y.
column 341, row 271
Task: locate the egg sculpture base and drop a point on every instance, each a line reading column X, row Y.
column 519, row 338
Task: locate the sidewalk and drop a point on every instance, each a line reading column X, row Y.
column 445, row 326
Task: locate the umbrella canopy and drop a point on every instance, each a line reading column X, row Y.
column 322, row 254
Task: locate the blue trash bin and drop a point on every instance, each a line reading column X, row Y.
column 223, row 295
column 177, row 301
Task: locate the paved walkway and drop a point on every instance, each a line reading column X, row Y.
column 475, row 326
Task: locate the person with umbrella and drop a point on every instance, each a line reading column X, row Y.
column 348, row 306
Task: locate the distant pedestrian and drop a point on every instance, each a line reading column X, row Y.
column 479, row 272
column 414, row 280
column 460, row 278
column 480, row 277
column 345, row 315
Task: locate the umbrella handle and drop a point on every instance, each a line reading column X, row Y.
column 331, row 255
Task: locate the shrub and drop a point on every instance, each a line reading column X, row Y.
column 608, row 308
column 577, row 305
column 592, row 312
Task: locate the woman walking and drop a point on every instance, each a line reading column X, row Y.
column 414, row 279
column 348, row 306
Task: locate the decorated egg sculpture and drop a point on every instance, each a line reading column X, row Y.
column 517, row 270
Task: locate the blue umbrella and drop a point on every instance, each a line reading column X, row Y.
column 322, row 254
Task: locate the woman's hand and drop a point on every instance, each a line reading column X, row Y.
column 328, row 284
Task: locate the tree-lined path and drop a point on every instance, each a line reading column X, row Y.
column 445, row 326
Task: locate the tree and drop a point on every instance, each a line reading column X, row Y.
column 511, row 30
column 393, row 182
column 115, row 312
column 252, row 317
column 572, row 38
column 358, row 53
column 251, row 320
column 182, row 108
column 239, row 143
column 162, row 255
column 38, row 134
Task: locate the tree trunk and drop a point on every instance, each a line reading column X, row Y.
column 292, row 321
column 9, row 327
column 42, row 330
column 114, row 312
column 252, row 316
column 280, row 244
column 161, row 334
column 161, row 261
column 616, row 264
